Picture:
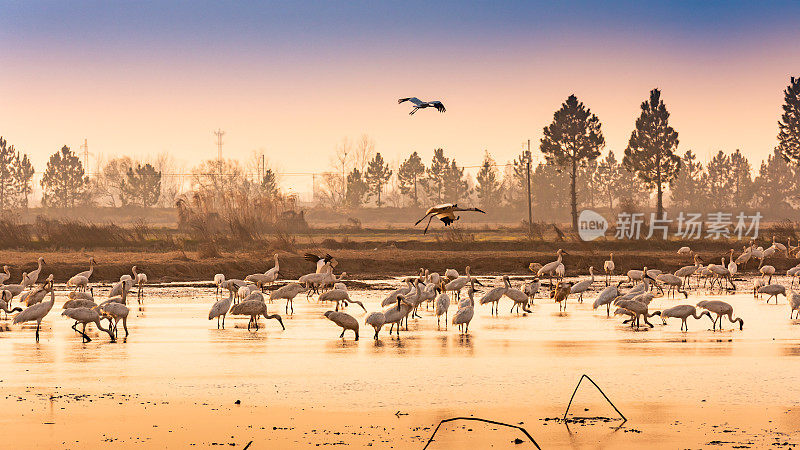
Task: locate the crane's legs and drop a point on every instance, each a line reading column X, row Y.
column 84, row 335
column 429, row 219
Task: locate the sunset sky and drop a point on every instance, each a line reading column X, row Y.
column 295, row 78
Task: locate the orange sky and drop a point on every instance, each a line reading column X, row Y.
column 298, row 101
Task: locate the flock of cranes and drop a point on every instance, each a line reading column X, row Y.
column 442, row 294
column 445, row 291
column 81, row 305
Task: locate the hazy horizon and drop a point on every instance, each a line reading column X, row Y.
column 294, row 80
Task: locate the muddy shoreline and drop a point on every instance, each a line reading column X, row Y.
column 367, row 263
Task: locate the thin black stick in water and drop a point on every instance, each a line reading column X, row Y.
column 598, row 388
column 248, row 445
column 477, row 419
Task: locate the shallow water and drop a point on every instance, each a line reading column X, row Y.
column 526, row 362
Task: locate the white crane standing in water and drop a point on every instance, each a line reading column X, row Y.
column 721, row 309
column 37, row 311
column 419, row 104
column 33, row 275
column 608, row 267
column 446, row 212
column 4, row 275
column 220, row 309
column 140, row 279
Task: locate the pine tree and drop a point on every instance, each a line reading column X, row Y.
column 607, row 178
column 631, row 191
column 455, row 186
column 142, row 185
column 63, row 182
column 716, row 181
column 549, row 195
column 357, row 189
column 573, row 138
column 789, row 125
column 435, row 174
column 488, row 188
column 408, row 176
column 517, row 183
column 775, row 183
column 686, row 190
column 651, row 149
column 377, row 176
column 269, row 183
column 6, row 174
column 742, row 180
column 23, row 177
column 587, row 190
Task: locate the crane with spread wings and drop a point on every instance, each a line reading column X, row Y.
column 419, row 104
column 445, row 212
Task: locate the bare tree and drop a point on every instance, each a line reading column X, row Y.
column 110, row 180
column 171, row 181
column 363, row 153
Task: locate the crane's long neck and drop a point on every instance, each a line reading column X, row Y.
column 277, row 265
column 100, row 327
column 738, row 319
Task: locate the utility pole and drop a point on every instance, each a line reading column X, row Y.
column 344, row 178
column 85, row 148
column 219, row 133
column 528, row 171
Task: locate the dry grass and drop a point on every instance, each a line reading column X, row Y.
column 455, row 235
column 237, row 219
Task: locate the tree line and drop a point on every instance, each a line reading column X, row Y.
column 65, row 183
column 574, row 173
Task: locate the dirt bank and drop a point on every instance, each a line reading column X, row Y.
column 371, row 261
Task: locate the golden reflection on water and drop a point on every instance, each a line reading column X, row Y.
column 172, row 343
